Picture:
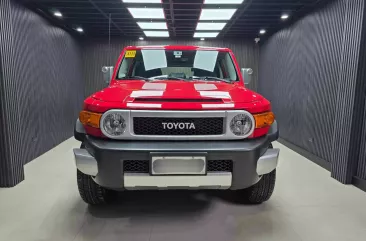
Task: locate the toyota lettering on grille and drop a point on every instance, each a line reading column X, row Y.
column 181, row 125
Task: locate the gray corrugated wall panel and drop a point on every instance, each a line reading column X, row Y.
column 361, row 167
column 342, row 159
column 43, row 86
column 298, row 65
column 307, row 72
column 320, row 55
column 11, row 168
column 97, row 53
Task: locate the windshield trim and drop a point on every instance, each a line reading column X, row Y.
column 220, row 50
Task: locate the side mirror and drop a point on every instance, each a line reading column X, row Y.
column 247, row 74
column 107, row 73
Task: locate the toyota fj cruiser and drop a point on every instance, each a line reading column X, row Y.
column 176, row 117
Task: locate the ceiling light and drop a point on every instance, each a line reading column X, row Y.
column 202, row 39
column 156, row 13
column 205, row 34
column 141, row 38
column 262, row 31
column 141, row 1
column 151, row 25
column 156, row 33
column 224, row 1
column 285, row 16
column 217, row 14
column 210, row 26
column 57, row 14
column 79, row 29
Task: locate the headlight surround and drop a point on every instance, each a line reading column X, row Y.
column 242, row 124
column 114, row 124
column 233, row 129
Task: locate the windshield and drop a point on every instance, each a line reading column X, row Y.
column 177, row 65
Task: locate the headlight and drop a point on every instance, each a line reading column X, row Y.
column 114, row 124
column 241, row 125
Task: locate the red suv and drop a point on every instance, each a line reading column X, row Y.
column 176, row 117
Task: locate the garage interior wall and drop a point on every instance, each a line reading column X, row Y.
column 41, row 88
column 309, row 73
column 360, row 178
column 98, row 53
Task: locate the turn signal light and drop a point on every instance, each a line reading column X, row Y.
column 90, row 118
column 264, row 119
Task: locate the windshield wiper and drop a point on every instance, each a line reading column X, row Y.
column 212, row 78
column 169, row 78
column 135, row 77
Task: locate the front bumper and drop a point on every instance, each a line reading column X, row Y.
column 103, row 159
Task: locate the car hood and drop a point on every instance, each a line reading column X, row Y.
column 167, row 90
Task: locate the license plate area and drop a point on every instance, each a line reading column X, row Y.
column 178, row 163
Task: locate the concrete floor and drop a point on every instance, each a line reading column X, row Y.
column 307, row 205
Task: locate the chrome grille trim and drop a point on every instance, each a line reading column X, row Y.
column 130, row 114
column 176, row 114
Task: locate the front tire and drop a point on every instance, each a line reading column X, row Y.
column 90, row 191
column 261, row 191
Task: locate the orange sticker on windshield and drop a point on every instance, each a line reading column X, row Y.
column 130, row 54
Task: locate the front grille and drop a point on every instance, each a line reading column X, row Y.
column 142, row 166
column 219, row 166
column 136, row 166
column 155, row 126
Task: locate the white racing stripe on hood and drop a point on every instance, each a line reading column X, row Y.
column 154, row 86
column 146, row 93
column 205, row 87
column 217, row 105
column 142, row 105
column 216, row 94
